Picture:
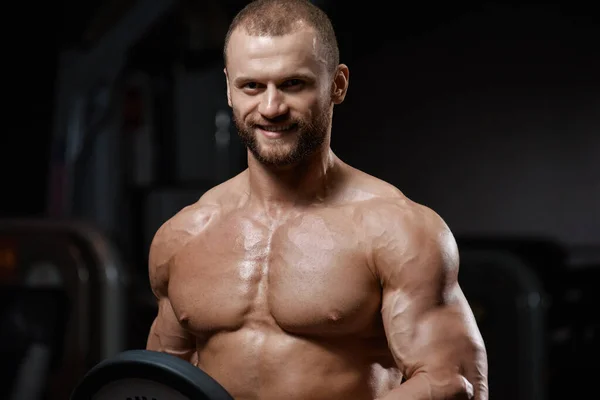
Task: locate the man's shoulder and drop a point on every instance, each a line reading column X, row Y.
column 193, row 219
column 400, row 230
column 178, row 230
column 375, row 194
column 400, row 215
column 385, row 206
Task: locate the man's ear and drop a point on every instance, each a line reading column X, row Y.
column 228, row 90
column 340, row 84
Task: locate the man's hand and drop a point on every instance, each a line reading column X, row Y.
column 430, row 327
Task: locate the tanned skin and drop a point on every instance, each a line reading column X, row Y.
column 312, row 279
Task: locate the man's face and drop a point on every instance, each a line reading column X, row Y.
column 280, row 91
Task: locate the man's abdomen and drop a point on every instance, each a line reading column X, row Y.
column 259, row 364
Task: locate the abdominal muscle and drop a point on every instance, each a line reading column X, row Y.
column 254, row 364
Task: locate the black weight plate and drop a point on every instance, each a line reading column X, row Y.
column 150, row 375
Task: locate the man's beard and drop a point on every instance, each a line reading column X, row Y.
column 310, row 136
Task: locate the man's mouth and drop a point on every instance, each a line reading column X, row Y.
column 276, row 131
column 277, row 128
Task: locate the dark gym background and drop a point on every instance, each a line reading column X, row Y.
column 488, row 112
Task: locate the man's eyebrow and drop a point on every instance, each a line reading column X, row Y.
column 300, row 75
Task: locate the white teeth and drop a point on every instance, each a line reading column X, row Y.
column 277, row 128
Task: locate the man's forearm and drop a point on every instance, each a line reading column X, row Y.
column 424, row 387
column 172, row 344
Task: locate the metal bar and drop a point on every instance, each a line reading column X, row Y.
column 79, row 72
column 112, row 274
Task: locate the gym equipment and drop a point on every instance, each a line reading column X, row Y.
column 31, row 335
column 510, row 308
column 62, row 306
column 149, row 375
column 573, row 338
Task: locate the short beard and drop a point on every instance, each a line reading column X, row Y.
column 310, row 136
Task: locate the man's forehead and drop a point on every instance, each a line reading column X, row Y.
column 301, row 44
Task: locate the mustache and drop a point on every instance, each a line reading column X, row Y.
column 279, row 121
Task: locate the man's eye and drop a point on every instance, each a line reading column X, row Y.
column 251, row 85
column 292, row 82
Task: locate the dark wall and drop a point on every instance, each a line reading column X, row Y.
column 491, row 118
column 488, row 113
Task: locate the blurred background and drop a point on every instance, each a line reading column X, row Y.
column 487, row 112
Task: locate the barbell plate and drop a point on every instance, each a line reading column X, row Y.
column 137, row 374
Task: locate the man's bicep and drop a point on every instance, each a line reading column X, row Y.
column 428, row 322
column 446, row 336
column 418, row 267
column 167, row 335
column 405, row 315
column 427, row 336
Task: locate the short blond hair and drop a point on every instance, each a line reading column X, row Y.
column 282, row 17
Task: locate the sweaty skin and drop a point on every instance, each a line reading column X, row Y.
column 312, row 280
column 301, row 304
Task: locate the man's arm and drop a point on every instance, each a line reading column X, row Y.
column 430, row 327
column 166, row 333
column 167, row 336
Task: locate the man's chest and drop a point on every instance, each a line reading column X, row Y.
column 308, row 275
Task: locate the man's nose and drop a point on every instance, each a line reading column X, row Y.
column 272, row 104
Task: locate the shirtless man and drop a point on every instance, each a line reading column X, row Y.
column 302, row 277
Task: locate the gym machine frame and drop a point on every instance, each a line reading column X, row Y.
column 83, row 117
column 89, row 258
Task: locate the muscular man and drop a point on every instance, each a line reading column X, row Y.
column 302, row 277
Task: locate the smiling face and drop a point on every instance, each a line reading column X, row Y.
column 280, row 89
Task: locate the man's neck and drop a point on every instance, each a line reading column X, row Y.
column 279, row 188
